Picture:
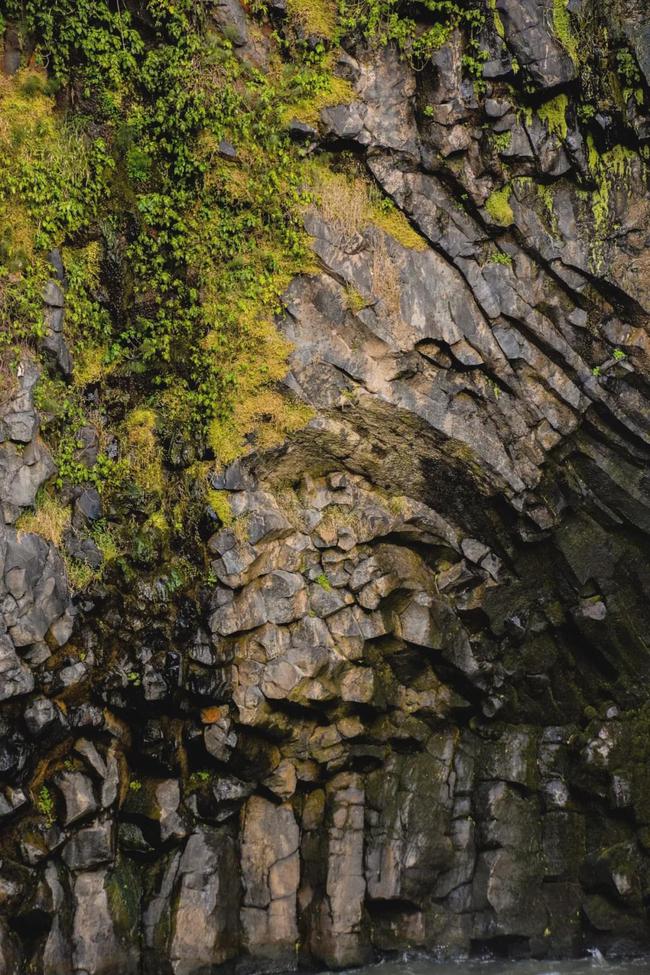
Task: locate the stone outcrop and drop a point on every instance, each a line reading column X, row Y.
column 405, row 707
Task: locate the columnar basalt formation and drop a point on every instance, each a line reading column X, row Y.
column 407, row 705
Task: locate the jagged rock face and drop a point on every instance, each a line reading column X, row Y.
column 409, row 709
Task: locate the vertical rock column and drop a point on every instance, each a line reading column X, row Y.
column 271, row 872
column 338, row 935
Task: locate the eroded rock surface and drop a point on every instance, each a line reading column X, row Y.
column 406, row 705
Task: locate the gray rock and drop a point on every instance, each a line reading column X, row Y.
column 90, row 846
column 15, row 677
column 78, row 796
column 270, row 865
column 11, row 962
column 528, row 31
column 104, row 940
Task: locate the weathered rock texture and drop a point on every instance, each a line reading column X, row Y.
column 411, row 708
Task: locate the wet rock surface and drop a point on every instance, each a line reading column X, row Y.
column 406, row 707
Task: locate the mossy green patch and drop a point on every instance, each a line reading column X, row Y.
column 501, row 141
column 218, row 501
column 352, row 203
column 314, row 16
column 562, row 28
column 328, row 90
column 614, row 164
column 553, row 115
column 498, row 206
column 498, row 23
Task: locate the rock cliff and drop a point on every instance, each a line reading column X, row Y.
column 402, row 701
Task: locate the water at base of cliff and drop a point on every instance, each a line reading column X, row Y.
column 593, row 964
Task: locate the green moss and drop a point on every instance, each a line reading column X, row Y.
column 355, row 300
column 605, row 169
column 314, row 16
column 498, row 23
column 324, row 582
column 107, row 543
column 383, row 22
column 143, row 451
column 326, row 91
column 50, row 520
column 553, row 114
column 350, row 202
column 562, row 28
column 501, row 141
column 218, row 501
column 391, row 219
column 498, row 206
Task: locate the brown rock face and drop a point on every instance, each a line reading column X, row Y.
column 403, row 703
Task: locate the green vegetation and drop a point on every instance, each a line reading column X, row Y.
column 184, row 228
column 628, row 71
column 352, row 203
column 324, row 582
column 498, row 23
column 50, row 519
column 383, row 22
column 498, row 206
column 562, row 28
column 45, row 805
column 218, row 501
column 500, row 257
column 553, row 114
column 618, row 354
column 613, row 165
column 501, row 141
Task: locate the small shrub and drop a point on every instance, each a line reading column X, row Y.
column 45, row 805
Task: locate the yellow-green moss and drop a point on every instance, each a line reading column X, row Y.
column 498, row 23
column 158, row 522
column 89, row 365
column 338, row 92
column 501, row 141
column 391, row 219
column 562, row 28
column 50, row 519
column 143, row 450
column 107, row 544
column 261, row 408
column 314, row 16
column 218, row 501
column 605, row 169
column 498, row 206
column 545, row 194
column 351, row 203
column 79, row 574
column 553, row 114
column 354, row 299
